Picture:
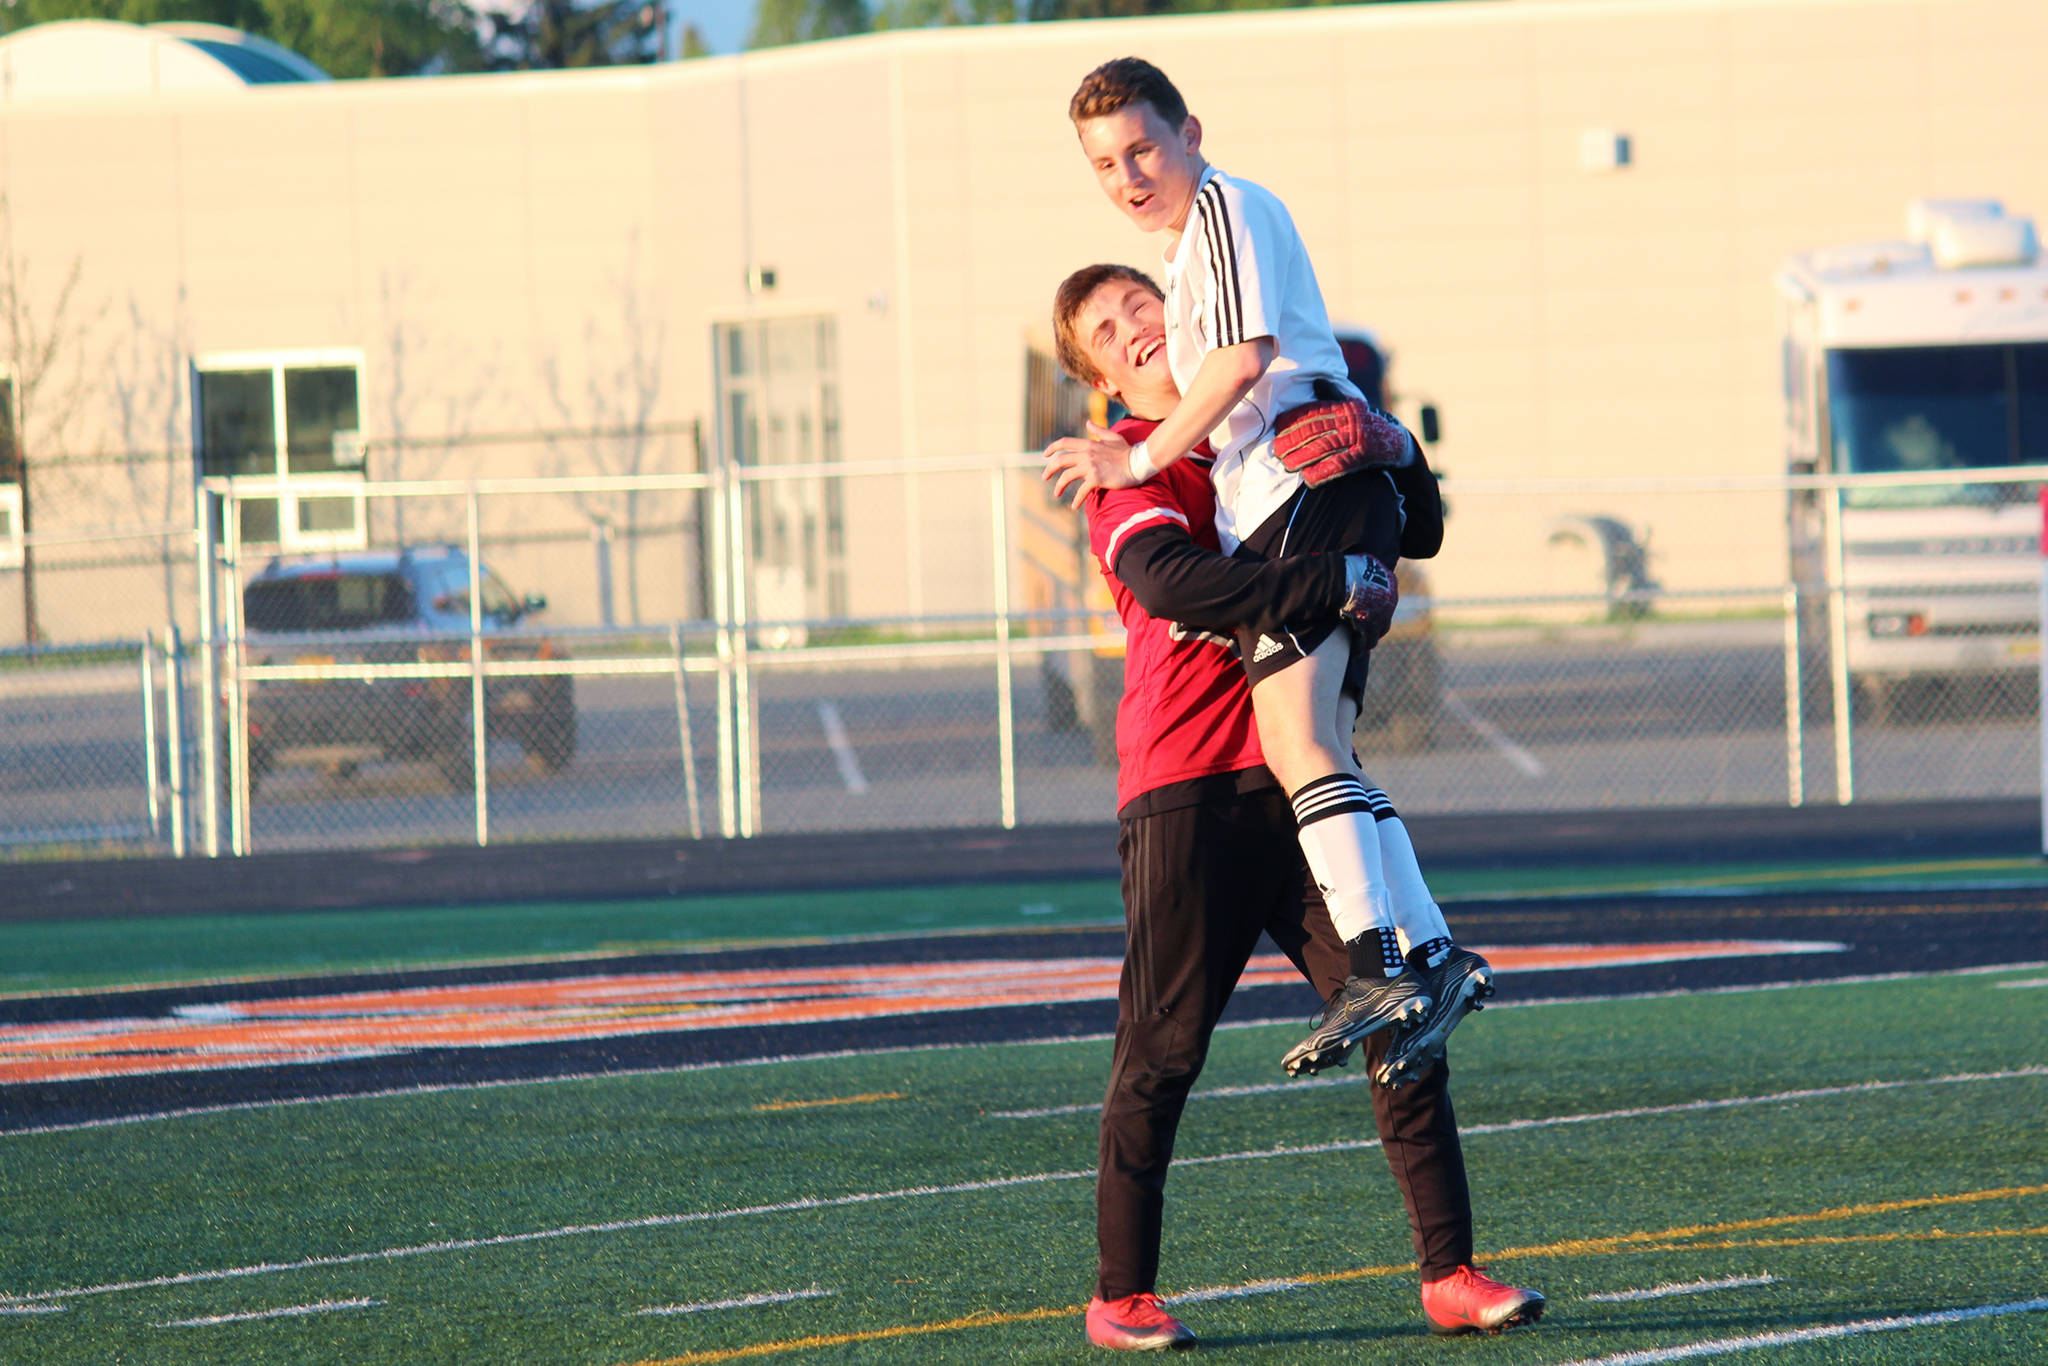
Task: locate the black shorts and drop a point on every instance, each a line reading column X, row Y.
column 1360, row 513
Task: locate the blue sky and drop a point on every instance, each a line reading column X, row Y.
column 724, row 23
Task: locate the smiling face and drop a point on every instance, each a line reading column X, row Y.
column 1121, row 328
column 1147, row 167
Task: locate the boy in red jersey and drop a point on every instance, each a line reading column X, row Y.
column 1210, row 860
column 1261, row 379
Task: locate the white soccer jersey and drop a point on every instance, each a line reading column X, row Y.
column 1240, row 272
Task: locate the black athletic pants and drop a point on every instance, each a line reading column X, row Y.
column 1200, row 883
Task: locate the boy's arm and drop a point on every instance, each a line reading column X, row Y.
column 1174, row 579
column 1102, row 459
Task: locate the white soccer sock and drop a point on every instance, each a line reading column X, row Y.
column 1343, row 851
column 1417, row 917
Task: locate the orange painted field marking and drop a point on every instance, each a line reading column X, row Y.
column 868, row 1099
column 331, row 1027
column 1570, row 1247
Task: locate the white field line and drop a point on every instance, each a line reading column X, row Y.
column 1217, row 1093
column 2024, row 983
column 1232, row 1292
column 842, row 751
column 293, row 1312
column 742, row 1302
column 1521, row 758
column 6, row 1309
column 808, row 1203
column 780, row 1059
column 1715, row 1347
column 1659, row 1292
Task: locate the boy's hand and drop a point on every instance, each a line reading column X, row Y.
column 1100, row 460
column 1371, row 593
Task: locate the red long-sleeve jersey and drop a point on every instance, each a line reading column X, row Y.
column 1186, row 713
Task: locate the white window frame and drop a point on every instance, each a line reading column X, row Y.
column 13, row 543
column 288, row 488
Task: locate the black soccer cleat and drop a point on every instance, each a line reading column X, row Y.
column 1458, row 986
column 1359, row 1009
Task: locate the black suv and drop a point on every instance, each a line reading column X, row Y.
column 394, row 607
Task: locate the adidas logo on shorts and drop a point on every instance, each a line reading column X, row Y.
column 1268, row 647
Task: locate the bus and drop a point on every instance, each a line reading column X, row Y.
column 1926, row 355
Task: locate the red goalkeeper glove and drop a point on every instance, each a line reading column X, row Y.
column 1327, row 440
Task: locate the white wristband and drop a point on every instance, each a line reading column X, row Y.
column 1142, row 467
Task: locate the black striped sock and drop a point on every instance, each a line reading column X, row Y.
column 1337, row 794
column 1429, row 953
column 1376, row 953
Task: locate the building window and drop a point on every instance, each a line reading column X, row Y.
column 286, row 428
column 778, row 404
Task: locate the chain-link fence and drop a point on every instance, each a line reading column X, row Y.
column 717, row 662
column 80, row 728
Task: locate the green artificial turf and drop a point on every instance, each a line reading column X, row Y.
column 38, row 956
column 1755, row 1189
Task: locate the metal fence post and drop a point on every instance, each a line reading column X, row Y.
column 209, row 678
column 1795, row 704
column 237, row 696
column 1838, row 653
column 746, row 733
column 152, row 804
column 721, row 615
column 479, row 737
column 1006, row 710
column 174, row 735
column 675, row 643
column 602, row 537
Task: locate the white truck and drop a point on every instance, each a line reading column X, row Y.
column 1926, row 356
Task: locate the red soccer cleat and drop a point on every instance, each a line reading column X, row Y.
column 1136, row 1323
column 1470, row 1301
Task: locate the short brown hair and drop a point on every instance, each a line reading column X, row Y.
column 1066, row 303
column 1127, row 80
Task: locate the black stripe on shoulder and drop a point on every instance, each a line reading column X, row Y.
column 1229, row 302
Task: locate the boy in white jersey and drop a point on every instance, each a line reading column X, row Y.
column 1261, row 377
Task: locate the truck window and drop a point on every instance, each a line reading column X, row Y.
column 2031, row 371
column 327, row 602
column 1901, row 409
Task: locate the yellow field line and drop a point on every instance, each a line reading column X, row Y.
column 1659, row 1241
column 762, row 1349
column 1575, row 1246
column 868, row 1099
column 1833, row 1239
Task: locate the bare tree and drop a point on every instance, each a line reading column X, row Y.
column 402, row 450
column 618, row 407
column 147, row 374
column 45, row 361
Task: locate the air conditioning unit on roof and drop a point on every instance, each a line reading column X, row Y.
column 1966, row 233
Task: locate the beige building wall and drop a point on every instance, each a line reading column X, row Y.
column 527, row 253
